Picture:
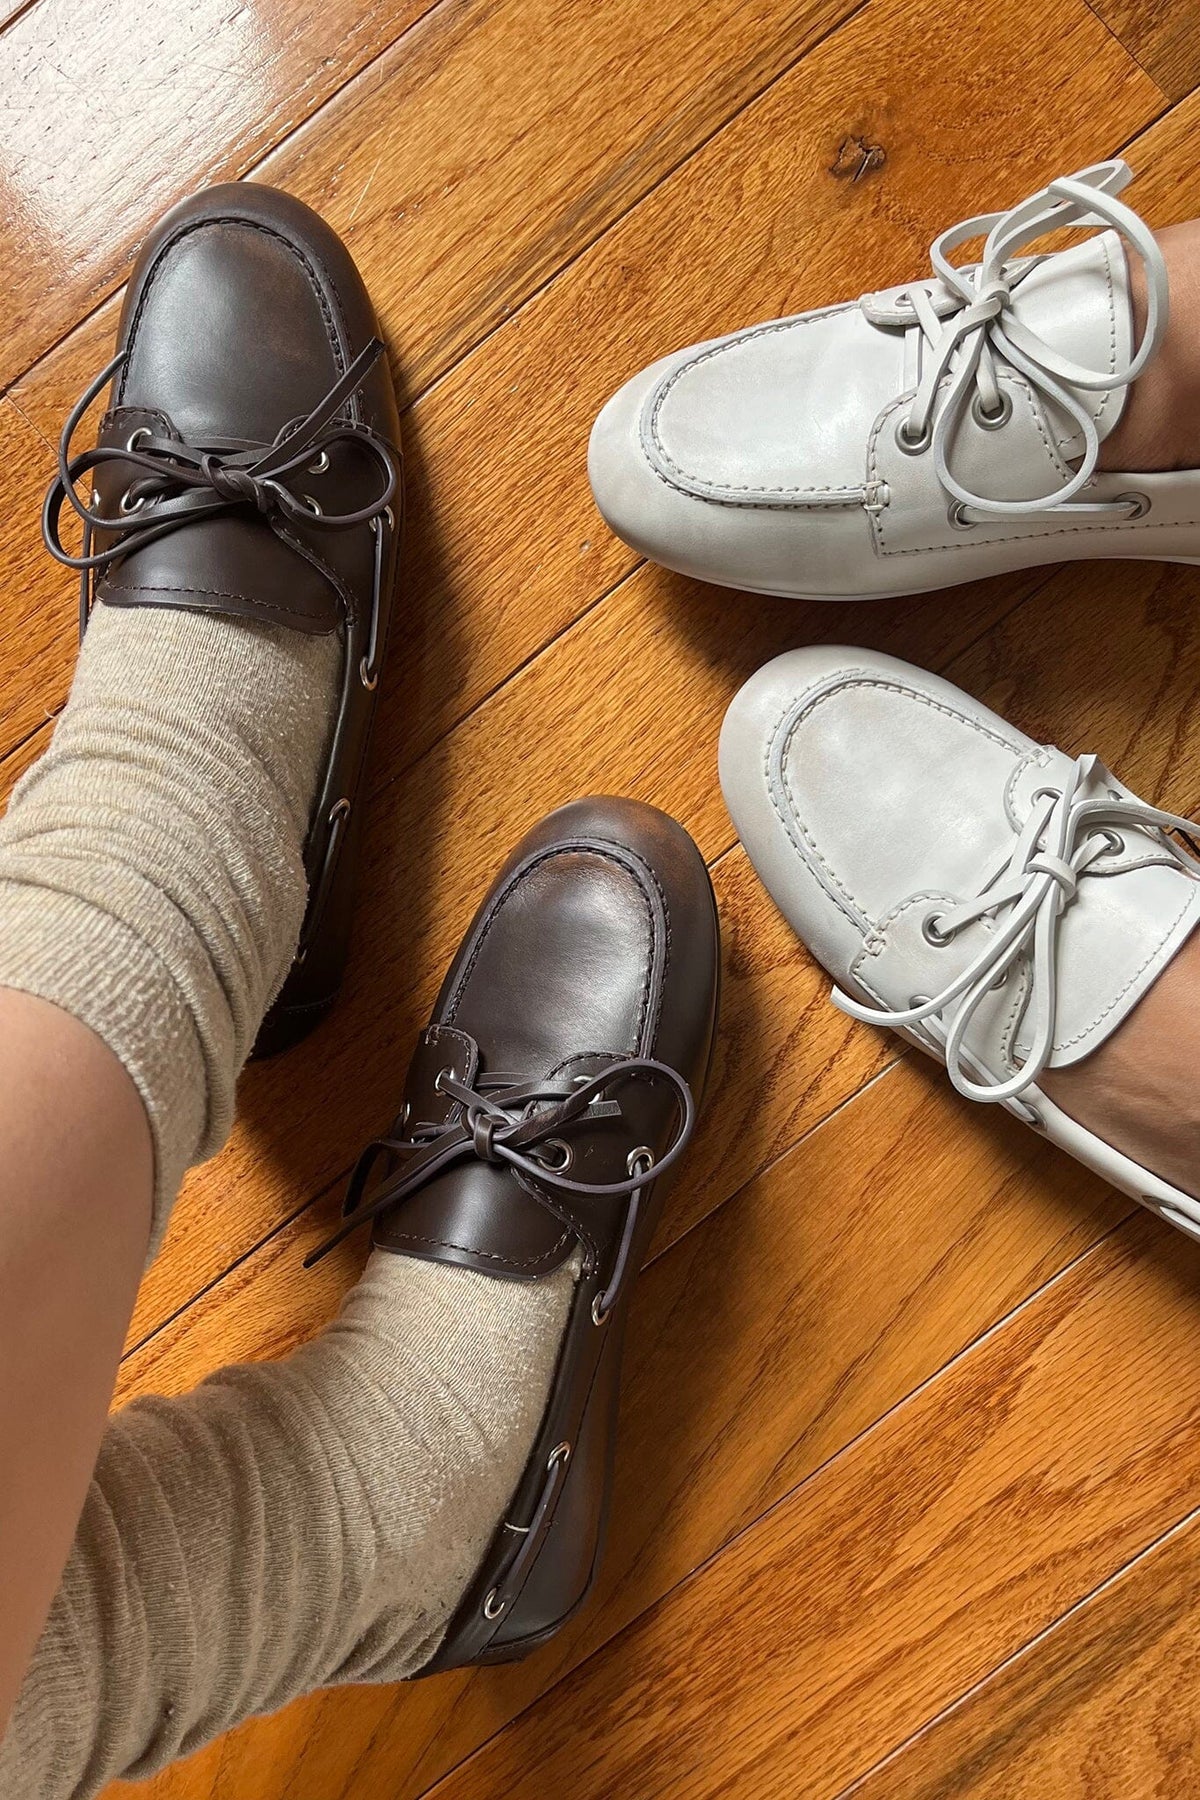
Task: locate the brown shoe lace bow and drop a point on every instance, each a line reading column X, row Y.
column 182, row 483
column 522, row 1126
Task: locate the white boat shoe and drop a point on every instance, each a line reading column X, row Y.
column 924, row 435
column 1000, row 904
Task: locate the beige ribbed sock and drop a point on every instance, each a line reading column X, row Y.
column 287, row 1526
column 292, row 1524
column 151, row 864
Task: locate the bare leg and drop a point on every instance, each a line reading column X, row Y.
column 1160, row 426
column 74, row 1224
column 1139, row 1090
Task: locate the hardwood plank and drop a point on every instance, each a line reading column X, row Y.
column 497, row 448
column 1100, row 1708
column 437, row 836
column 950, row 1227
column 478, row 194
column 1162, row 35
column 33, row 642
column 964, row 1523
column 165, row 98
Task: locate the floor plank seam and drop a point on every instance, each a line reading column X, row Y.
column 855, row 9
column 1014, row 1657
column 784, row 1499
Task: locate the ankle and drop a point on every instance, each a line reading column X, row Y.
column 1160, row 426
column 1138, row 1090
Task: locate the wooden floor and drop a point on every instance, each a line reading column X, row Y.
column 908, row 1501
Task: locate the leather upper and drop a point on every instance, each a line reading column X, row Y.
column 596, row 949
column 246, row 329
column 782, row 458
column 874, row 798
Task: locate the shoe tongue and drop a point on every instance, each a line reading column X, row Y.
column 1078, row 303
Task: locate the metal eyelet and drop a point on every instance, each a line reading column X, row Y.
column 640, row 1161
column 437, row 1080
column 314, row 506
column 1139, row 502
column 955, row 512
column 320, row 464
column 913, row 444
column 1045, row 793
column 389, row 519
column 567, row 1156
column 405, row 1114
column 560, row 1453
column 599, row 1313
column 992, row 421
column 339, row 810
column 931, row 934
column 128, row 504
column 132, row 442
column 493, row 1606
column 1116, row 843
column 368, row 676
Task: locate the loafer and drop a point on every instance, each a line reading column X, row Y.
column 923, row 435
column 545, row 1111
column 1000, row 904
column 248, row 464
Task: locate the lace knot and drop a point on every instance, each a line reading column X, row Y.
column 1068, row 832
column 1062, row 872
column 236, row 484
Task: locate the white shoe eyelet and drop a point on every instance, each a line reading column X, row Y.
column 931, row 933
column 992, row 421
column 955, row 512
column 1116, row 843
column 1138, row 503
column 912, row 443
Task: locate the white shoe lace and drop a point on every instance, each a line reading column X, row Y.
column 965, row 343
column 1027, row 895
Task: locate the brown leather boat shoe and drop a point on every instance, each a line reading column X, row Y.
column 546, row 1108
column 248, row 464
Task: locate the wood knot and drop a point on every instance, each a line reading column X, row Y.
column 855, row 158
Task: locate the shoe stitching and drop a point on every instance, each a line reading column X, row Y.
column 293, row 250
column 650, row 421
column 852, row 678
column 512, row 1262
column 876, row 514
column 1135, row 977
column 117, row 587
column 1038, row 538
column 510, row 888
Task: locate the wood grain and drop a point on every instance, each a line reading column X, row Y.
column 1056, row 663
column 506, row 548
column 945, row 1392
column 979, row 1510
column 161, row 99
column 951, row 1227
column 1163, row 36
column 1103, row 1704
column 436, row 837
column 466, row 187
